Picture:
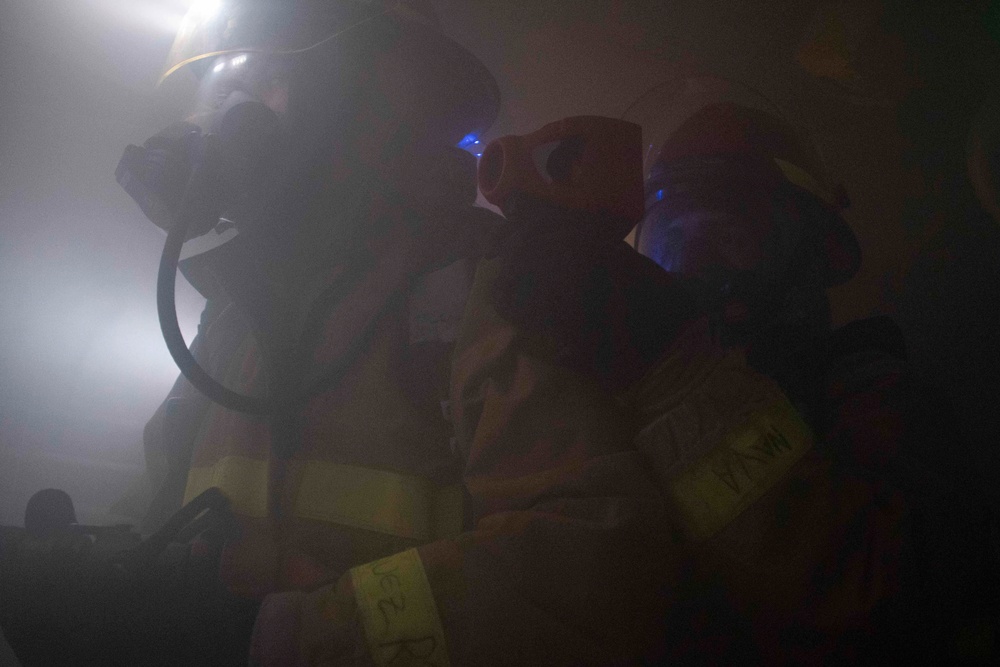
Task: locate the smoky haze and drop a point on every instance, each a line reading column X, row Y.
column 82, row 364
column 81, row 358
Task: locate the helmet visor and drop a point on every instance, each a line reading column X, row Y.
column 222, row 27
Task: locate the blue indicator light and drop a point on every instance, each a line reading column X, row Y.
column 659, row 195
column 472, row 144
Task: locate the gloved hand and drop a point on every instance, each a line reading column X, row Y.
column 296, row 629
column 158, row 174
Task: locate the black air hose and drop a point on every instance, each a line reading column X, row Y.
column 166, row 306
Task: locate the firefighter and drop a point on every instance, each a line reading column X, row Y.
column 411, row 480
column 866, row 546
column 445, row 438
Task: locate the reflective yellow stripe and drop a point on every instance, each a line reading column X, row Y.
column 385, row 502
column 243, row 481
column 804, row 180
column 398, row 611
column 734, row 475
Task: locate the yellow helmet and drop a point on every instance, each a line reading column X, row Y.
column 216, row 34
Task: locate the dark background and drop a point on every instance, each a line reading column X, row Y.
column 82, row 365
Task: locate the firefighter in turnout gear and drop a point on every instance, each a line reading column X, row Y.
column 866, row 546
column 411, row 477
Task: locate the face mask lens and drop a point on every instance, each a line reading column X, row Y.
column 236, row 78
column 662, row 238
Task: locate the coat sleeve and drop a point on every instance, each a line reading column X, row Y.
column 568, row 562
column 169, row 432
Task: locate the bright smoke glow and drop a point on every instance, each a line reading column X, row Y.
column 165, row 17
column 202, row 10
